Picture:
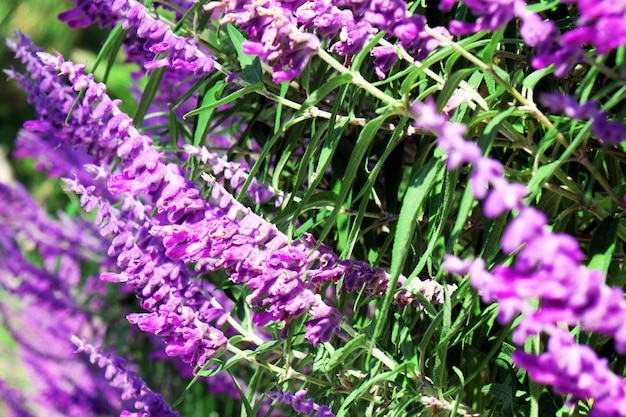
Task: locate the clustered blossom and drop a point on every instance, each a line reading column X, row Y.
column 219, row 234
column 132, row 386
column 274, row 35
column 547, row 268
column 180, row 53
column 487, row 178
column 577, row 371
column 13, row 402
column 600, row 25
column 607, row 131
column 278, row 30
column 180, row 204
column 301, row 404
column 62, row 245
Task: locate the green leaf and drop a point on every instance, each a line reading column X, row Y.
column 246, row 411
column 414, row 197
column 545, row 172
column 325, row 89
column 440, row 217
column 109, row 50
column 252, row 71
column 366, row 188
column 603, row 244
column 207, row 98
column 365, row 386
column 504, row 393
column 533, row 78
column 149, row 93
column 341, row 354
column 486, row 55
column 229, row 98
column 364, row 53
column 320, row 200
column 172, row 127
column 450, row 87
column 360, row 148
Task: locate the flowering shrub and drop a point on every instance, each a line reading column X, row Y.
column 322, row 208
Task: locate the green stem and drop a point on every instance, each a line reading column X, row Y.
column 359, row 81
column 285, row 373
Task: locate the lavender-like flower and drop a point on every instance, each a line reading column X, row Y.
column 601, row 24
column 40, row 307
column 277, row 30
column 300, row 403
column 577, row 371
column 608, row 131
column 546, row 283
column 180, row 53
column 274, row 35
column 486, row 179
column 217, row 234
column 132, row 386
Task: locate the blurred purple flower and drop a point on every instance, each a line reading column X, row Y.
column 608, row 131
column 132, row 386
column 300, row 403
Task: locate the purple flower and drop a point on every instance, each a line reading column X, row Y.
column 274, row 36
column 576, row 370
column 132, row 386
column 41, row 307
column 234, row 174
column 220, row 233
column 608, row 131
column 300, row 403
column 492, row 15
column 182, row 53
column 384, row 58
column 14, row 401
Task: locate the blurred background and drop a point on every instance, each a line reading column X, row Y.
column 38, row 19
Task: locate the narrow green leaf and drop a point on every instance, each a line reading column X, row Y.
column 194, row 8
column 229, row 98
column 364, row 53
column 284, row 87
column 504, row 393
column 366, row 189
column 341, row 354
column 531, row 80
column 172, row 127
column 110, row 49
column 325, row 89
column 360, row 148
column 251, row 70
column 545, row 172
column 407, row 221
column 603, row 244
column 450, row 87
column 333, row 138
column 486, row 55
column 441, row 217
column 208, row 98
column 149, row 93
column 364, row 387
column 246, row 410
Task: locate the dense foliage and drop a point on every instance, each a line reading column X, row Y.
column 320, row 208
